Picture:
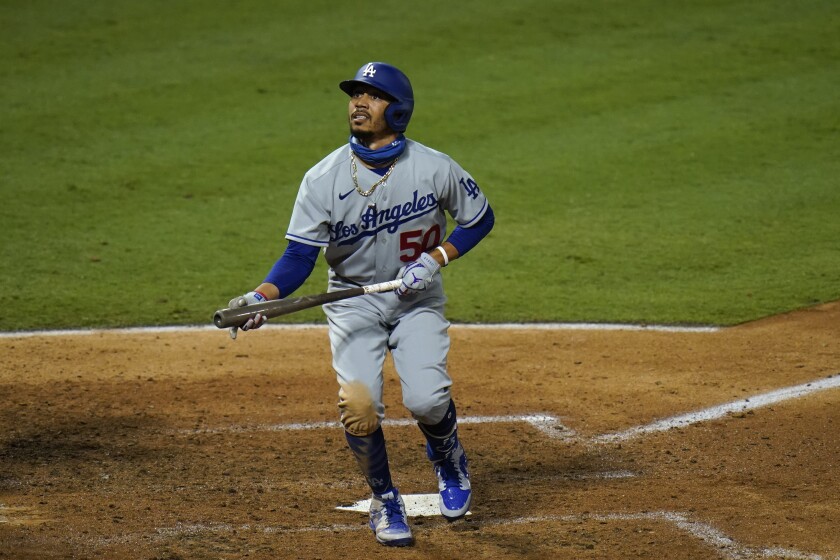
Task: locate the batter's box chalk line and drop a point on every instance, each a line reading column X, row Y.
column 719, row 411
column 546, row 424
column 554, row 428
column 711, row 536
column 725, row 546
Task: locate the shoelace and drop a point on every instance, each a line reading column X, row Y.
column 451, row 473
column 392, row 510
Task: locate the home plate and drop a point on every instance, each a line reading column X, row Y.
column 416, row 505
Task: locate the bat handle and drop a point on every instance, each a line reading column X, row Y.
column 389, row 286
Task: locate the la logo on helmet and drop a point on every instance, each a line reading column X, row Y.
column 370, row 70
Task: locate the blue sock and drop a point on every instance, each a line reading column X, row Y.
column 373, row 460
column 443, row 436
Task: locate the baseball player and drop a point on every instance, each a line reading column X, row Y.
column 377, row 207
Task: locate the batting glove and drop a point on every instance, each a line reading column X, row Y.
column 248, row 299
column 417, row 276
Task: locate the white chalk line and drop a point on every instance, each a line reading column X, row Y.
column 719, row 411
column 542, row 422
column 701, row 531
column 554, row 428
column 704, row 532
column 310, row 326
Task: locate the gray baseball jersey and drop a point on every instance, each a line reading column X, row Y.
column 367, row 239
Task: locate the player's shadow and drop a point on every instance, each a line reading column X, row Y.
column 68, row 439
column 517, row 487
column 524, row 482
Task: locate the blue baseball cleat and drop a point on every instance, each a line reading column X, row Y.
column 453, row 482
column 389, row 520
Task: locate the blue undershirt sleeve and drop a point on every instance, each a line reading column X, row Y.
column 293, row 268
column 465, row 239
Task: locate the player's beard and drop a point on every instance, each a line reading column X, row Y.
column 363, row 136
column 371, row 130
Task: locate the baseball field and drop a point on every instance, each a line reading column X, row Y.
column 645, row 349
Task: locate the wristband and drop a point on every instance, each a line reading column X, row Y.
column 443, row 252
column 259, row 296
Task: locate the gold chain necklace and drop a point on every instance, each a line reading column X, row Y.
column 376, row 184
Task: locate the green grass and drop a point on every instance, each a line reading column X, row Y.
column 647, row 161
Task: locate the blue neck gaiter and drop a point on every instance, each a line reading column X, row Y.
column 383, row 155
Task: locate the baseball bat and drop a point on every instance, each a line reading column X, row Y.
column 238, row 316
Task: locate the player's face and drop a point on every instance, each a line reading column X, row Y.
column 367, row 116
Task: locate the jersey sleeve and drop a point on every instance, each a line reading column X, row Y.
column 465, row 238
column 463, row 199
column 293, row 268
column 310, row 222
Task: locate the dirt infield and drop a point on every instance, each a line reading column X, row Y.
column 189, row 445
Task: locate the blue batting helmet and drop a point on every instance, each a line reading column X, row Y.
column 392, row 81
